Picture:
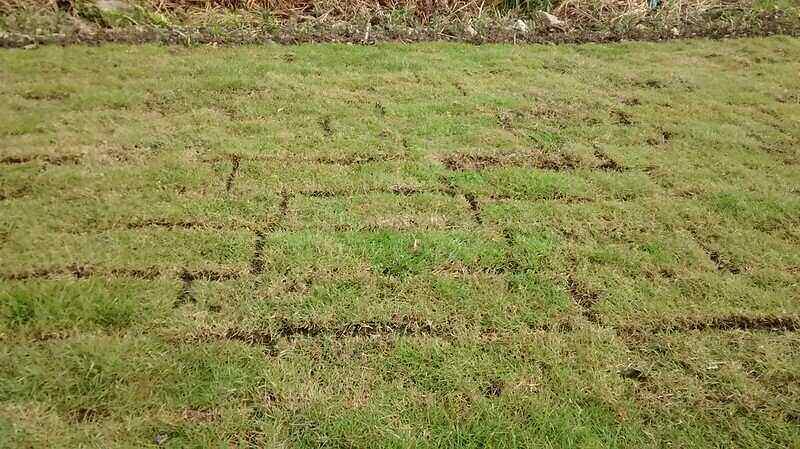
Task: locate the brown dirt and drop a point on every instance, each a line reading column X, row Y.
column 405, row 190
column 634, row 374
column 137, row 273
column 472, row 200
column 662, row 137
column 720, row 263
column 398, row 326
column 50, row 159
column 622, row 118
column 494, row 389
column 607, row 163
column 326, row 194
column 213, row 275
column 16, row 193
column 232, row 175
column 349, row 160
column 86, row 415
column 394, row 190
column 257, row 261
column 161, row 223
column 540, row 160
column 185, row 294
column 764, row 323
column 584, row 298
column 199, row 416
column 78, row 271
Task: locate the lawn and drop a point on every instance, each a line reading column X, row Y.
column 429, row 245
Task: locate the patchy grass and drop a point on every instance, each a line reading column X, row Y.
column 430, row 245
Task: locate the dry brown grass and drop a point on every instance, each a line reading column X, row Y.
column 573, row 11
column 610, row 11
column 420, row 8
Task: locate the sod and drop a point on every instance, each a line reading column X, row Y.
column 428, row 245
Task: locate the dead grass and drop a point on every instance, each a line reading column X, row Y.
column 612, row 12
column 574, row 12
column 25, row 23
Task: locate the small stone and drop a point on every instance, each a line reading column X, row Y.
column 160, row 438
column 552, row 21
column 520, row 26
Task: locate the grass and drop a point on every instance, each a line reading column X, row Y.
column 429, row 245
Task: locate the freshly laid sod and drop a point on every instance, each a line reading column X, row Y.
column 430, row 245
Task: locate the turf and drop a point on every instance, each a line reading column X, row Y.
column 429, row 245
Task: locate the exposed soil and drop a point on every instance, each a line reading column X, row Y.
column 474, row 207
column 39, row 273
column 551, row 196
column 622, row 118
column 661, row 138
column 461, row 162
column 607, row 163
column 394, row 190
column 86, row 415
column 48, row 158
column 584, row 298
column 631, row 101
column 16, row 193
column 543, row 161
column 77, row 271
column 448, row 187
column 161, row 223
column 346, row 160
column 349, row 160
column 508, row 236
column 257, row 261
column 232, row 174
column 326, row 194
column 213, row 275
column 199, row 416
column 494, row 389
column 724, row 323
column 401, row 326
column 185, row 294
column 405, row 190
column 720, row 263
column 137, row 273
column 634, row 374
column 326, row 125
column 504, row 120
